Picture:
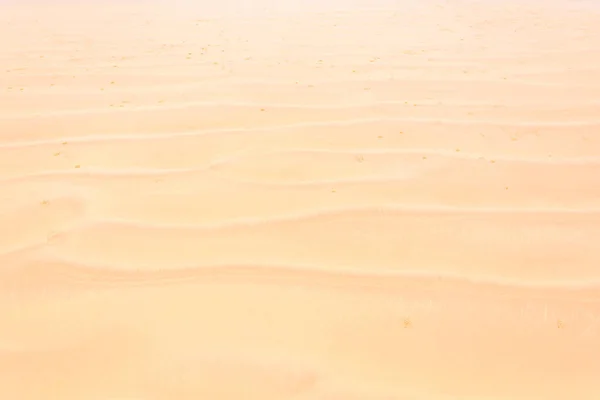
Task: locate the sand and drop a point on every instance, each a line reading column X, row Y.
column 284, row 200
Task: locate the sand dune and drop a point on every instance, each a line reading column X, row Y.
column 300, row 200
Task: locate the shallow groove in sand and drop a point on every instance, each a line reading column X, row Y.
column 362, row 164
column 349, row 212
column 530, row 249
column 36, row 270
column 11, row 138
column 175, row 105
column 383, row 110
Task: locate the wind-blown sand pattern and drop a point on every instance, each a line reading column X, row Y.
column 359, row 200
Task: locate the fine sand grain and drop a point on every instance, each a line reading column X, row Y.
column 316, row 200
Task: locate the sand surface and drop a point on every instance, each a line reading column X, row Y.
column 285, row 200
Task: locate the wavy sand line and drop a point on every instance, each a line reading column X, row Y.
column 337, row 85
column 248, row 153
column 377, row 210
column 409, row 171
column 133, row 172
column 403, row 240
column 382, row 110
column 51, row 101
column 122, row 106
column 362, row 165
column 10, row 140
column 101, row 203
column 37, row 268
column 53, row 227
column 219, row 151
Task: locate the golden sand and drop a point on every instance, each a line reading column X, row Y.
column 359, row 200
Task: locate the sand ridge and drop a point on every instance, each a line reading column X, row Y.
column 300, row 200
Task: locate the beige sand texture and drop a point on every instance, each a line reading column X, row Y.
column 300, row 200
